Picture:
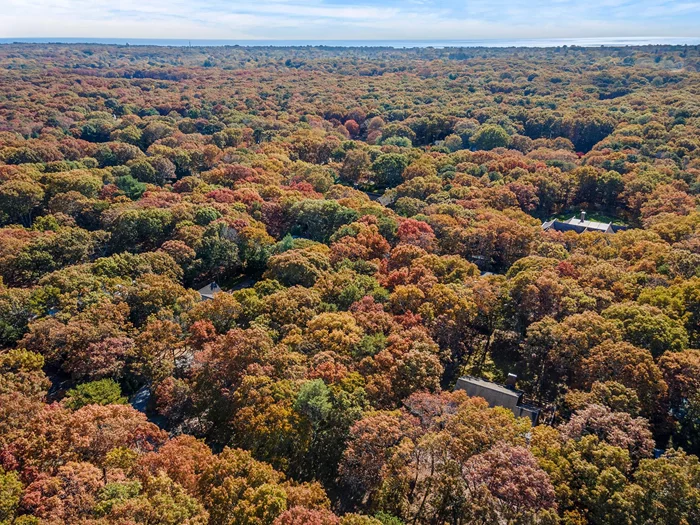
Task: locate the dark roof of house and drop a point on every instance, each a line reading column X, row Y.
column 494, row 394
column 580, row 225
column 498, row 395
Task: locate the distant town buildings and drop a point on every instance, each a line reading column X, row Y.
column 580, row 224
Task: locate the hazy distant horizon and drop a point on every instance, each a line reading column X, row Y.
column 350, row 20
column 417, row 43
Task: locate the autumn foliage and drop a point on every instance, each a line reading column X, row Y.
column 373, row 220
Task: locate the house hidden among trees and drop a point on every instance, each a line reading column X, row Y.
column 209, row 291
column 505, row 396
column 580, row 224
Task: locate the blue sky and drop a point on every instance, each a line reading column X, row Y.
column 348, row 19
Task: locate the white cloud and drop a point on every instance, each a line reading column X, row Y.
column 347, row 20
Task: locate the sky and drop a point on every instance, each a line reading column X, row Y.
column 349, row 19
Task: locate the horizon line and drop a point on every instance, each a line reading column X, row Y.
column 597, row 41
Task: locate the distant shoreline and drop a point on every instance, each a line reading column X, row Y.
column 396, row 44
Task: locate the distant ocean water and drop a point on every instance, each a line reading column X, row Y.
column 544, row 42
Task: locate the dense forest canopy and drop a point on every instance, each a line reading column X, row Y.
column 373, row 218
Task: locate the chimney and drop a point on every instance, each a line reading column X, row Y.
column 510, row 381
column 583, row 216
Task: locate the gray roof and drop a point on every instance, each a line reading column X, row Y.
column 577, row 225
column 498, row 395
column 590, row 225
column 490, row 385
column 495, row 394
column 209, row 291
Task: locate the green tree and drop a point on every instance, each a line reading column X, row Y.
column 667, row 490
column 19, row 199
column 10, row 493
column 648, row 327
column 453, row 142
column 102, row 392
column 490, row 136
column 388, row 169
column 131, row 186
